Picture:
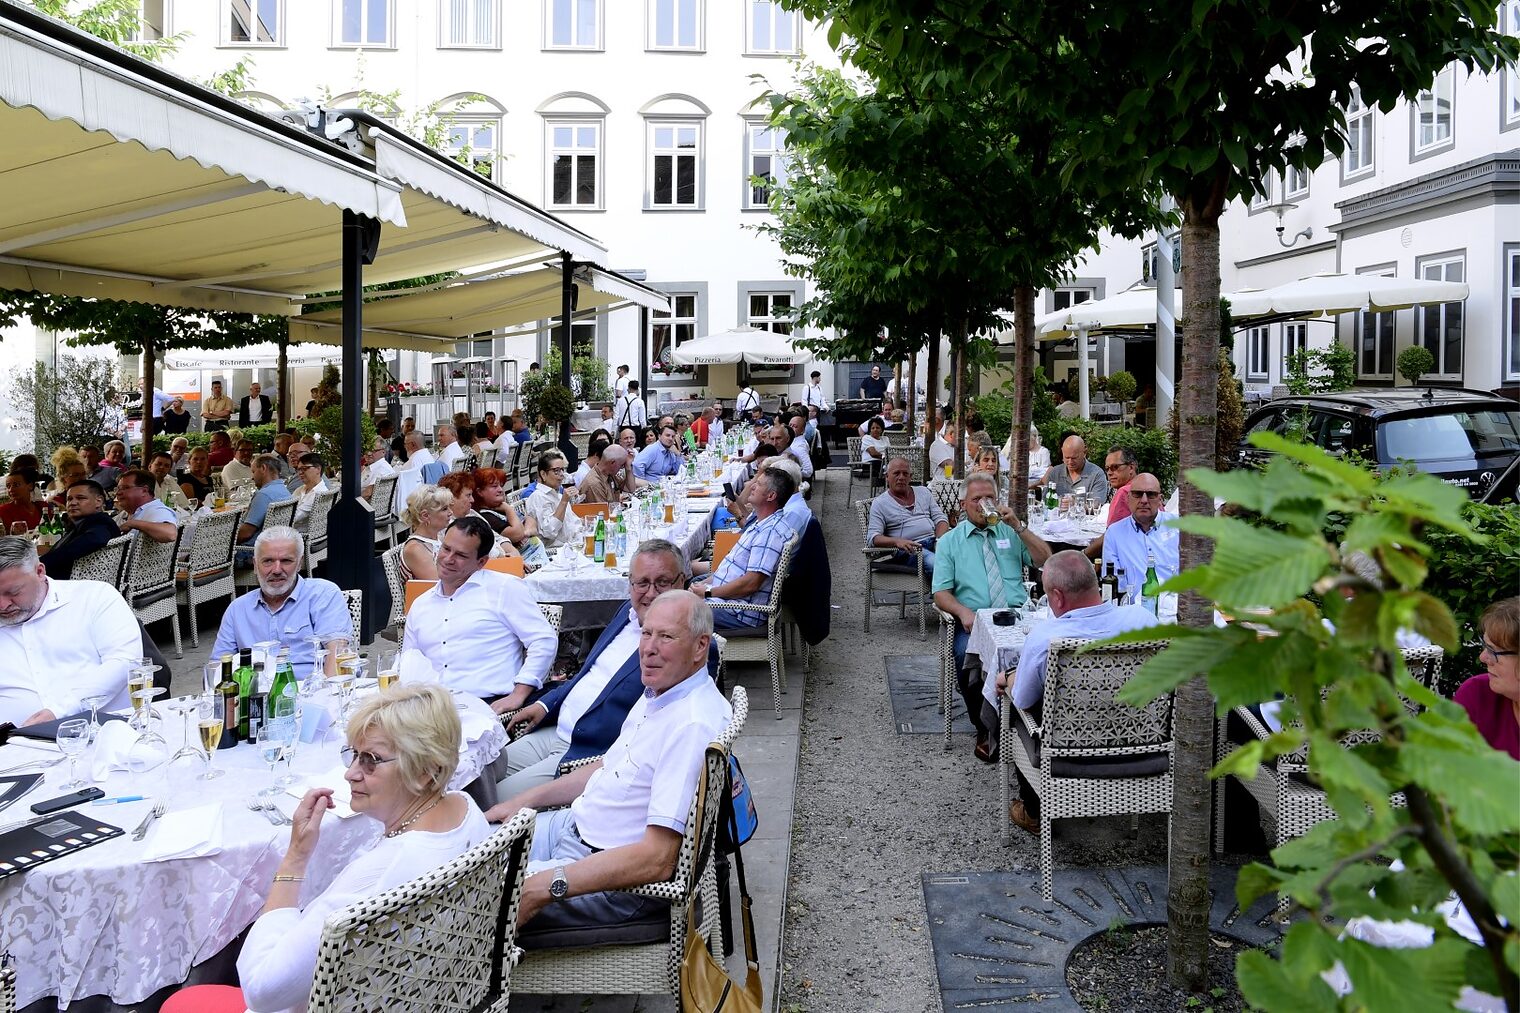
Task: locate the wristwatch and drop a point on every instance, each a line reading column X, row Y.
column 559, row 887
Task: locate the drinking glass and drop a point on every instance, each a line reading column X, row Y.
column 291, row 727
column 95, row 701
column 387, row 670
column 318, row 676
column 209, row 724
column 185, row 707
column 73, row 737
column 19, row 528
column 273, row 742
column 142, row 700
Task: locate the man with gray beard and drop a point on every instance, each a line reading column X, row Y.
column 287, row 607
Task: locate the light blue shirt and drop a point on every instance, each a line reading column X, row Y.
column 1126, row 546
column 160, row 399
column 1096, row 622
column 274, row 492
column 655, row 461
column 796, row 513
column 315, row 607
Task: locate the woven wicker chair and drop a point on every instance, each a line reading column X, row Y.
column 949, row 492
column 106, row 564
column 279, row 515
column 355, row 600
column 947, row 625
column 444, row 941
column 1091, row 756
column 522, row 466
column 7, row 984
column 316, row 531
column 763, row 643
column 152, row 583
column 383, row 503
column 858, row 466
column 651, row 968
column 390, row 563
column 463, row 463
column 207, row 573
column 913, row 455
column 1289, row 804
column 485, row 458
column 883, row 575
column 898, row 438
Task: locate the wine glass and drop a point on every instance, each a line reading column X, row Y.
column 211, row 677
column 95, row 701
column 185, row 707
column 291, row 727
column 142, row 699
column 273, row 743
column 209, row 723
column 73, row 737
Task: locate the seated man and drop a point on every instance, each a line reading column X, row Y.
column 942, row 452
column 1078, row 610
column 1141, row 537
column 660, row 458
column 906, row 517
column 145, row 513
column 797, row 445
column 449, row 448
column 627, row 812
column 89, row 528
column 309, row 470
column 609, row 477
column 63, row 640
column 980, row 564
column 220, row 449
column 238, row 471
column 478, row 631
column 376, row 467
column 581, row 717
column 286, row 607
column 1076, row 470
column 165, row 485
column 266, row 475
column 294, row 455
column 746, row 574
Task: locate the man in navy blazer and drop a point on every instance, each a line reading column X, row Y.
column 582, row 716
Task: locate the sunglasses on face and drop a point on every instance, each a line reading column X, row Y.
column 367, row 761
column 1144, row 494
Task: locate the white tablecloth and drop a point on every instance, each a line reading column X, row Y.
column 587, row 581
column 102, row 922
column 997, row 646
column 1071, row 533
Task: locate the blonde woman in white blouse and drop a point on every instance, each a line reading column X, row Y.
column 403, row 747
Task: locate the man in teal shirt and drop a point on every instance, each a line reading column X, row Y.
column 979, row 564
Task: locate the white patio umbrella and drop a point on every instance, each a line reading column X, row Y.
column 739, row 344
column 1346, row 293
column 264, row 356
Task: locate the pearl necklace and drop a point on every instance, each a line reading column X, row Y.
column 407, row 825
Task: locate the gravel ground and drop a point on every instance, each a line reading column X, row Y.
column 1126, row 970
column 876, row 810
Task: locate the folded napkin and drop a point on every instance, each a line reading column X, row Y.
column 342, row 795
column 116, row 748
column 189, row 833
column 474, row 723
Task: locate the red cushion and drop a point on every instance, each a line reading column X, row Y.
column 206, row 999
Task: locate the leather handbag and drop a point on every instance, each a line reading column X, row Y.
column 705, row 984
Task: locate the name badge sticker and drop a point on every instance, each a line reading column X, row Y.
column 1003, row 543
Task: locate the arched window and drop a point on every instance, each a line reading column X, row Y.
column 574, row 158
column 675, row 161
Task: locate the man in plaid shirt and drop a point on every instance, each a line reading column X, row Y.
column 746, row 573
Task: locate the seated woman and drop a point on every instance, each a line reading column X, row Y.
column 549, row 506
column 1039, row 456
column 429, row 510
column 1492, row 698
column 195, row 480
column 403, row 746
column 20, row 509
column 464, row 485
column 70, row 468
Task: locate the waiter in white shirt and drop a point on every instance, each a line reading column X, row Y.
column 812, row 397
column 631, row 412
column 63, row 640
column 746, row 402
column 620, row 384
column 478, row 631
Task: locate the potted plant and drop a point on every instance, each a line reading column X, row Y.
column 1415, row 362
column 1121, row 388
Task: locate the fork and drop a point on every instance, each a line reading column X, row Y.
column 38, row 764
column 142, row 828
column 271, row 813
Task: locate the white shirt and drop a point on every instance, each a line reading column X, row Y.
column 448, row 455
column 80, row 642
column 591, row 685
column 236, row 473
column 580, row 473
column 279, row 957
column 867, row 442
column 155, row 512
column 372, row 473
column 256, row 409
column 714, row 431
column 409, row 474
column 812, row 396
column 541, row 506
column 607, row 426
column 170, row 488
column 746, row 402
column 798, row 451
column 940, row 454
column 1125, row 545
column 620, row 385
column 483, row 639
column 630, row 411
column 307, row 501
column 649, row 775
column 417, row 461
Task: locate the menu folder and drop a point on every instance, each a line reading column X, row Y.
column 13, row 786
column 49, row 838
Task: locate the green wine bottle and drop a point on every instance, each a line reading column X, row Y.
column 1150, row 590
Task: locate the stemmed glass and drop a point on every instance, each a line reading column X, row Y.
column 291, row 727
column 211, row 677
column 273, row 744
column 73, row 737
column 185, row 707
column 318, row 664
column 209, row 723
column 95, row 701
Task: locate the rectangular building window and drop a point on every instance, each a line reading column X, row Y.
column 256, row 22
column 1374, row 338
column 1433, row 112
column 1357, row 160
column 1512, row 313
column 469, row 24
column 675, row 162
column 1441, row 328
column 472, row 142
column 771, row 30
column 771, row 311
column 675, row 24
column 574, row 154
column 1263, row 197
column 573, row 24
column 1258, row 353
column 765, row 164
column 1295, row 338
column 1509, row 93
column 364, row 23
column 1066, row 298
column 1295, row 184
column 668, row 330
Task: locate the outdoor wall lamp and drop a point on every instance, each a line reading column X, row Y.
column 1280, row 209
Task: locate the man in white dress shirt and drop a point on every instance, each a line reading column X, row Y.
column 627, row 812
column 409, row 472
column 1142, row 536
column 376, row 467
column 630, row 412
column 449, row 449
column 620, row 385
column 812, row 395
column 63, row 640
column 146, row 514
column 746, row 402
column 478, row 631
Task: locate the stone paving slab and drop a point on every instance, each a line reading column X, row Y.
column 913, row 685
column 997, row 942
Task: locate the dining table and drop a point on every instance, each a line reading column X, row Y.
column 109, row 926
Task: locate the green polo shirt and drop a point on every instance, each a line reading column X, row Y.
column 960, row 566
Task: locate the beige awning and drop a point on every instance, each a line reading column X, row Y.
column 421, row 319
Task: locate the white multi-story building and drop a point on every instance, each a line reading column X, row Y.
column 635, row 120
column 1430, row 189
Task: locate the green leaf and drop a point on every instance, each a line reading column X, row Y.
column 1259, row 669
column 1433, row 621
column 1307, row 950
column 1266, row 986
column 1255, row 880
column 1423, row 978
column 1254, row 567
column 1186, row 657
column 1455, row 765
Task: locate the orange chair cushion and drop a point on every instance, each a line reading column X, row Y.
column 509, row 564
column 416, row 589
column 722, row 542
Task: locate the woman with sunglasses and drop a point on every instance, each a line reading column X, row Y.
column 1492, row 698
column 403, row 746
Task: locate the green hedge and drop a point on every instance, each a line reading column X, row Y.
column 1152, row 447
column 262, row 437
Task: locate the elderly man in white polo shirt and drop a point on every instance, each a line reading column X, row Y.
column 63, row 640
column 478, row 631
column 627, row 812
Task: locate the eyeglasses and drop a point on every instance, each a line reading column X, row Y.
column 367, row 761
column 1494, row 652
column 659, row 585
column 1116, row 467
column 1144, row 494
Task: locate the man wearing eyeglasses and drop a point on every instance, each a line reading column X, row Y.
column 582, row 716
column 1119, row 467
column 1144, row 535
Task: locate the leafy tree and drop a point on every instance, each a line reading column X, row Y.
column 1321, row 370
column 118, row 22
column 1457, row 831
column 1414, row 362
column 73, row 404
column 1121, row 387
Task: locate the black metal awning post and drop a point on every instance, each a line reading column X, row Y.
column 566, row 346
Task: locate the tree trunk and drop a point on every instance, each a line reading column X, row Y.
column 1023, row 395
column 958, row 398
column 930, row 416
column 149, row 364
column 1187, row 902
column 282, row 367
